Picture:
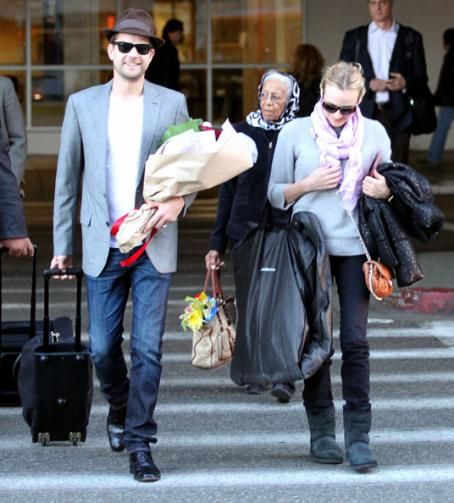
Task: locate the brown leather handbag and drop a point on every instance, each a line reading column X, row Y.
column 214, row 343
column 378, row 276
column 379, row 279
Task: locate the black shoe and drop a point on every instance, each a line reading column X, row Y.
column 283, row 392
column 141, row 465
column 116, row 428
column 254, row 389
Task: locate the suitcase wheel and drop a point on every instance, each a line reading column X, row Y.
column 74, row 437
column 43, row 438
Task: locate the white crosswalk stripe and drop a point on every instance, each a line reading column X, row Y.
column 379, row 437
column 263, row 477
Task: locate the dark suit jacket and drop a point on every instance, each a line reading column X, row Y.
column 12, row 220
column 407, row 58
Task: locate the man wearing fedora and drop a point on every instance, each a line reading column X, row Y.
column 107, row 135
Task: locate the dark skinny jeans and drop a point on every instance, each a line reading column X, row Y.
column 354, row 305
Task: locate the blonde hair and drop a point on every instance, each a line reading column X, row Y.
column 344, row 76
column 307, row 64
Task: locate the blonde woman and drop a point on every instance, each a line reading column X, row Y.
column 322, row 164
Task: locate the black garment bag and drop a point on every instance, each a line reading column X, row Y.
column 13, row 335
column 283, row 292
column 55, row 376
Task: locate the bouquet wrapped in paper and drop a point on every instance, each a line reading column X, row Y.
column 186, row 163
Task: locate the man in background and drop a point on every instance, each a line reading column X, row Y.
column 394, row 64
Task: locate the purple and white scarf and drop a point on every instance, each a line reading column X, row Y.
column 347, row 146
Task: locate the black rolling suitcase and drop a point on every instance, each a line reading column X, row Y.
column 13, row 336
column 55, row 377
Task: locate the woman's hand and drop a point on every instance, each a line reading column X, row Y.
column 213, row 260
column 375, row 186
column 322, row 178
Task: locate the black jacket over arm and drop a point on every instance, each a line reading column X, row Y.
column 408, row 58
column 12, row 220
column 243, row 199
column 387, row 227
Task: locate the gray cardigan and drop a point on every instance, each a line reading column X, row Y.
column 297, row 155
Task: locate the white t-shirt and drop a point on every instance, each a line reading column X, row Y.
column 380, row 44
column 125, row 124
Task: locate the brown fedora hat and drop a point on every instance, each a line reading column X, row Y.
column 135, row 22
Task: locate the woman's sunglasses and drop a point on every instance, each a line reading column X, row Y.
column 125, row 47
column 332, row 109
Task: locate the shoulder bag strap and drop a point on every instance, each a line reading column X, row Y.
column 361, row 240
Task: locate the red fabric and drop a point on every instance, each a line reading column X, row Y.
column 134, row 257
column 116, row 225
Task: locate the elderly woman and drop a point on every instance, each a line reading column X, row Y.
column 322, row 164
column 243, row 199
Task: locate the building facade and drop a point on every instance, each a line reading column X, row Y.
column 52, row 48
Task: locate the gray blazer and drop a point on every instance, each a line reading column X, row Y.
column 83, row 158
column 12, row 219
column 12, row 127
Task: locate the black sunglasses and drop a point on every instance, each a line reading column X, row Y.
column 332, row 109
column 125, row 47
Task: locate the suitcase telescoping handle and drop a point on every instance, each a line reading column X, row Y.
column 47, row 274
column 32, row 294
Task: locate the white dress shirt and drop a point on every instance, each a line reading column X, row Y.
column 380, row 44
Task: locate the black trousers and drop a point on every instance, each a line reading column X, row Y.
column 400, row 140
column 354, row 305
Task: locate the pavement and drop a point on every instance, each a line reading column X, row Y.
column 218, row 444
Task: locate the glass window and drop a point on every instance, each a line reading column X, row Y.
column 50, row 90
column 12, row 34
column 193, row 86
column 259, row 31
column 69, row 31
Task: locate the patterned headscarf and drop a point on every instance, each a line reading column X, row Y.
column 290, row 112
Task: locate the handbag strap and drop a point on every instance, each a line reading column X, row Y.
column 361, row 240
column 213, row 280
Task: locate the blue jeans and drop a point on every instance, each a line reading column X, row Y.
column 437, row 145
column 107, row 295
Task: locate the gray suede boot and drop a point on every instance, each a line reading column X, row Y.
column 322, row 424
column 357, row 426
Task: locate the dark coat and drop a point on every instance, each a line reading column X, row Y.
column 12, row 220
column 407, row 58
column 164, row 68
column 283, row 291
column 387, row 227
column 243, row 199
column 309, row 95
column 444, row 95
